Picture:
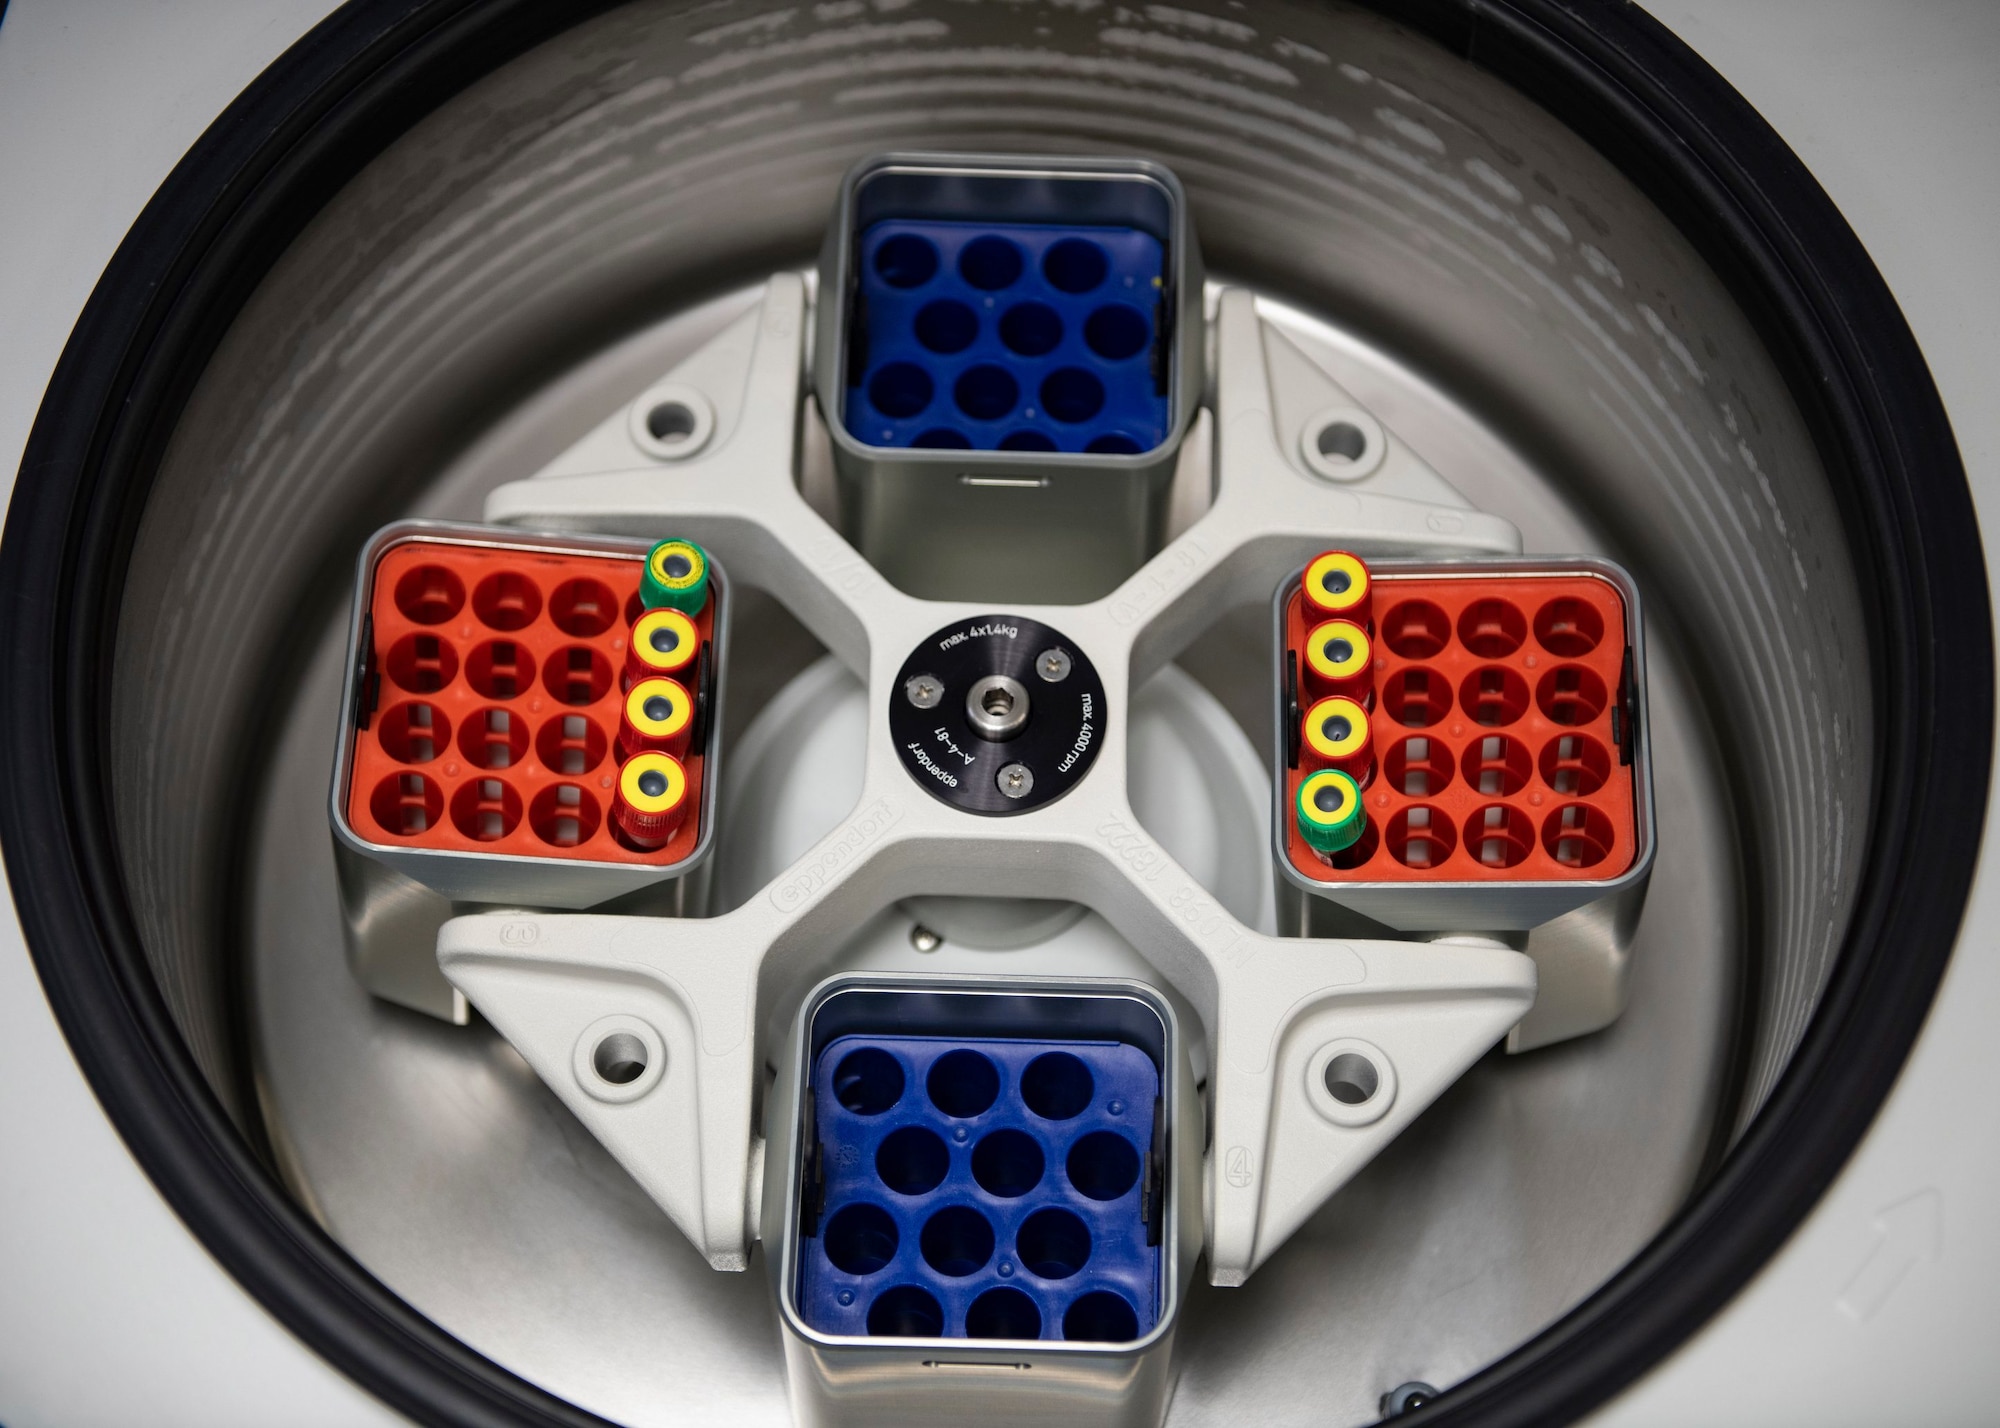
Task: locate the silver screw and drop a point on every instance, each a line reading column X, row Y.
column 923, row 939
column 1053, row 665
column 1015, row 780
column 923, row 691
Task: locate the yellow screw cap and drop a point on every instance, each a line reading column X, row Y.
column 1336, row 730
column 657, row 715
column 663, row 642
column 1338, row 650
column 1336, row 583
column 651, row 798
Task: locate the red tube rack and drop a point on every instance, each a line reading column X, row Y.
column 1502, row 728
column 489, row 706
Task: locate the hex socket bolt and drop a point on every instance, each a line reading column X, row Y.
column 996, row 707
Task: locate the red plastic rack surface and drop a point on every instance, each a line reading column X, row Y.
column 464, row 633
column 1490, row 692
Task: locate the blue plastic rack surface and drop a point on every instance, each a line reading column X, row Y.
column 983, row 1189
column 1010, row 337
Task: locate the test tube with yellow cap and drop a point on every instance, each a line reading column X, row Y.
column 664, row 642
column 657, row 714
column 1337, row 736
column 1336, row 587
column 1340, row 660
column 650, row 802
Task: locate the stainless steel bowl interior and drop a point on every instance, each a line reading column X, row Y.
column 543, row 245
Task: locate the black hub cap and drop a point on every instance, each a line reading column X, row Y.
column 997, row 714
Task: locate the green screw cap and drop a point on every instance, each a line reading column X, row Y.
column 1328, row 811
column 676, row 577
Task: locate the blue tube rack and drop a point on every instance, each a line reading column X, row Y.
column 1008, row 337
column 1002, row 1188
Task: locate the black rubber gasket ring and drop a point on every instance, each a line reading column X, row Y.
column 341, row 94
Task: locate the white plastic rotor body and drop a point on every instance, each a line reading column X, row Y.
column 1280, row 1142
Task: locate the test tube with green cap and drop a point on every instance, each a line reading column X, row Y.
column 676, row 577
column 1328, row 811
